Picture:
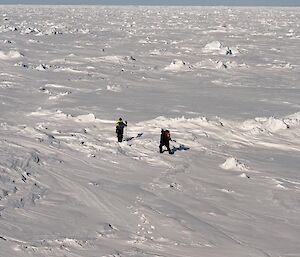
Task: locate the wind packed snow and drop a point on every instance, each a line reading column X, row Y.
column 224, row 81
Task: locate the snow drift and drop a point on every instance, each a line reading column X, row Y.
column 10, row 55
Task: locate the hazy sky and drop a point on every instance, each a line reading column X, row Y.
column 160, row 2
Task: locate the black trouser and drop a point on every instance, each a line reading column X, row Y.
column 166, row 145
column 120, row 137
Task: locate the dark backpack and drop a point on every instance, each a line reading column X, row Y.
column 166, row 135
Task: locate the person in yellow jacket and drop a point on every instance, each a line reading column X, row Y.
column 120, row 129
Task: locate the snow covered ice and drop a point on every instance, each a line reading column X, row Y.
column 224, row 81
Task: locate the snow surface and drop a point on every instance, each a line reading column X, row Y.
column 224, row 81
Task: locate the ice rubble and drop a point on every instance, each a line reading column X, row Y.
column 218, row 48
column 10, row 55
column 218, row 64
column 270, row 124
column 178, row 65
column 232, row 163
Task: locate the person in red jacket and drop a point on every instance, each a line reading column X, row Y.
column 165, row 138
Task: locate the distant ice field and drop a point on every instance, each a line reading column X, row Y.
column 151, row 61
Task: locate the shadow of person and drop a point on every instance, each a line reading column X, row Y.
column 137, row 136
column 181, row 147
